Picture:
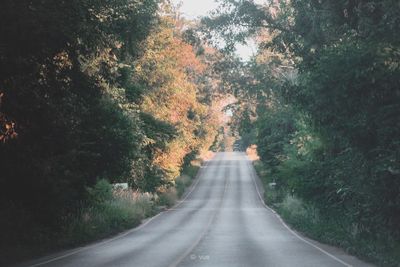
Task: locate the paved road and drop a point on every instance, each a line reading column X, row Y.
column 221, row 222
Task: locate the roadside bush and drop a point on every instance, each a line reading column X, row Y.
column 167, row 198
column 330, row 227
column 100, row 192
column 299, row 214
column 108, row 213
column 181, row 183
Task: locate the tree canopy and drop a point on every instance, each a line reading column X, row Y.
column 323, row 91
column 93, row 90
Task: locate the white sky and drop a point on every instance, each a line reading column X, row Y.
column 192, row 9
column 195, row 8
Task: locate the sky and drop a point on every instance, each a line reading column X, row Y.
column 195, row 8
column 192, row 9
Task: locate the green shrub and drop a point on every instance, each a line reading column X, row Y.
column 188, row 173
column 191, row 170
column 295, row 211
column 125, row 209
column 168, row 198
column 100, row 192
column 182, row 182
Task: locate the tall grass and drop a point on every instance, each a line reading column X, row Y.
column 111, row 211
column 124, row 209
column 339, row 232
column 334, row 230
column 169, row 196
column 107, row 212
column 181, row 183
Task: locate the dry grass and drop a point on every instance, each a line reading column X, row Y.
column 126, row 209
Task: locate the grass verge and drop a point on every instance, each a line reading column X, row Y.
column 169, row 196
column 108, row 213
column 380, row 248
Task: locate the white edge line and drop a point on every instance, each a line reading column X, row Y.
column 253, row 174
column 129, row 231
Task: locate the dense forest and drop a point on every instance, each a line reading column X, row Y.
column 97, row 92
column 322, row 100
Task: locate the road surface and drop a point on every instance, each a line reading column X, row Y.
column 221, row 222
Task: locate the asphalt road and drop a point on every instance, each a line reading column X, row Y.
column 221, row 222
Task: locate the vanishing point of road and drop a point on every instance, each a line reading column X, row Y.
column 221, row 222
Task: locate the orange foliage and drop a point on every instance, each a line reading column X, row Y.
column 252, row 153
column 170, row 67
column 7, row 127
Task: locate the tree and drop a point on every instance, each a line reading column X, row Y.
column 58, row 80
column 340, row 97
column 170, row 68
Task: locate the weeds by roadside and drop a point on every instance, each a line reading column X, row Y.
column 111, row 211
column 169, row 196
column 305, row 217
column 108, row 212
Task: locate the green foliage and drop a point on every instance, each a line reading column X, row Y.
column 180, row 185
column 192, row 169
column 274, row 134
column 152, row 180
column 106, row 216
column 325, row 83
column 60, row 91
column 100, row 192
column 74, row 80
column 188, row 173
column 167, row 198
column 218, row 143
